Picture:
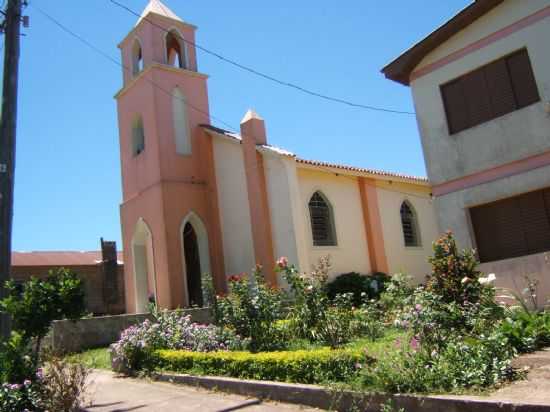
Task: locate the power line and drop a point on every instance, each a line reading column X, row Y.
column 113, row 60
column 267, row 76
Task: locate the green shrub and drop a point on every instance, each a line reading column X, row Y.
column 527, row 331
column 454, row 275
column 362, row 286
column 397, row 294
column 469, row 363
column 59, row 296
column 301, row 366
column 252, row 311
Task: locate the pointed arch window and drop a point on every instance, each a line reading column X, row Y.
column 175, row 50
column 322, row 220
column 409, row 224
column 138, row 136
column 181, row 122
column 137, row 58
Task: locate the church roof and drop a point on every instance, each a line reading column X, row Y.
column 317, row 163
column 59, row 258
column 158, row 7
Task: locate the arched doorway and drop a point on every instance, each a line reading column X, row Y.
column 142, row 256
column 196, row 257
column 192, row 265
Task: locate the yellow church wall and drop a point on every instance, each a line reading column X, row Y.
column 351, row 252
column 410, row 260
column 238, row 246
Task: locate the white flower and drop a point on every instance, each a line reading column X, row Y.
column 489, row 279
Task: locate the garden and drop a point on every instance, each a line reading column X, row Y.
column 455, row 333
column 33, row 378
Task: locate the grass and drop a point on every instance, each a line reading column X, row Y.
column 93, row 358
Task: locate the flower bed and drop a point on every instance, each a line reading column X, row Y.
column 300, row 366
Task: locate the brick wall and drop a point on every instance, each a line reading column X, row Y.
column 104, row 295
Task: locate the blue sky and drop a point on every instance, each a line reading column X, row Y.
column 68, row 185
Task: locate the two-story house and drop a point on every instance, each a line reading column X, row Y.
column 481, row 86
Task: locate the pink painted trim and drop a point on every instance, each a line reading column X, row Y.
column 498, row 35
column 495, row 173
column 373, row 225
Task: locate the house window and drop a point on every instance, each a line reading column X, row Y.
column 175, row 52
column 409, row 224
column 138, row 136
column 512, row 227
column 322, row 221
column 137, row 58
column 493, row 90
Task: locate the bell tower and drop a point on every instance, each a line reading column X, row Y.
column 169, row 213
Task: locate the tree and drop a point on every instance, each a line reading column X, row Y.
column 39, row 302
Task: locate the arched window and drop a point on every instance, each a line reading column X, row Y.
column 181, row 124
column 175, row 50
column 409, row 224
column 137, row 58
column 322, row 221
column 138, row 136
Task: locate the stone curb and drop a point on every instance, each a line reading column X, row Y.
column 323, row 398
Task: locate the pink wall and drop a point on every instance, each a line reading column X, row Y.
column 160, row 185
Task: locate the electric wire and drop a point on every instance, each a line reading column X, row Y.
column 113, row 60
column 267, row 76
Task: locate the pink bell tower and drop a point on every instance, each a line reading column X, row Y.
column 169, row 213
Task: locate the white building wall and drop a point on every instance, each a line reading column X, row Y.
column 402, row 259
column 514, row 136
column 351, row 253
column 238, row 246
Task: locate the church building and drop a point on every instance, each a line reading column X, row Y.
column 199, row 199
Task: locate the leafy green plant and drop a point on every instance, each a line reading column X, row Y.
column 363, row 287
column 252, row 310
column 462, row 363
column 397, row 294
column 527, row 331
column 16, row 360
column 301, row 366
column 59, row 296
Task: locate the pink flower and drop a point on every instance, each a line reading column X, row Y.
column 418, row 307
column 282, row 263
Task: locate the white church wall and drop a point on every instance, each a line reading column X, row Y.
column 279, row 193
column 410, row 260
column 236, row 228
column 351, row 253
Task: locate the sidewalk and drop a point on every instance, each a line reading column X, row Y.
column 110, row 393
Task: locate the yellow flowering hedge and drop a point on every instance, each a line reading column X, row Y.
column 300, row 366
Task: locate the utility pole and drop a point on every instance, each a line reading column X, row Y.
column 11, row 26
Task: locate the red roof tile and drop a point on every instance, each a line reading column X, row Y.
column 58, row 258
column 362, row 170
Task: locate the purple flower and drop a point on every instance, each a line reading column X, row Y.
column 415, row 343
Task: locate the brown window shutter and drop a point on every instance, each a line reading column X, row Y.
column 484, row 227
column 500, row 88
column 523, row 79
column 535, row 222
column 477, row 97
column 455, row 106
column 509, row 235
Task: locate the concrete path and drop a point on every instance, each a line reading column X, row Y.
column 536, row 387
column 109, row 393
